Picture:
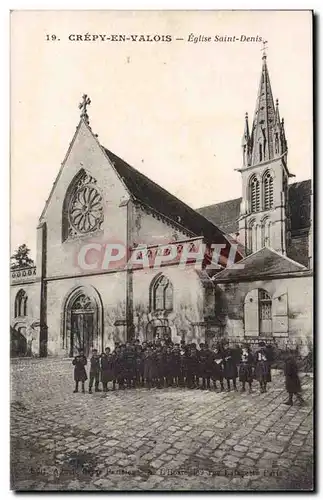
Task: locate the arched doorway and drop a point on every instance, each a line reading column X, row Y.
column 83, row 321
column 158, row 327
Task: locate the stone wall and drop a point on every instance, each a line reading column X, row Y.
column 296, row 291
column 109, row 290
column 28, row 325
column 187, row 317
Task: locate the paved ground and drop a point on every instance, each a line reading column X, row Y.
column 170, row 439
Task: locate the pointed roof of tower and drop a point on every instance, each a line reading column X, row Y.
column 264, row 118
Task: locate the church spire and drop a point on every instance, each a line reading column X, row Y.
column 264, row 120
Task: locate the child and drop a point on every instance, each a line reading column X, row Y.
column 262, row 371
column 245, row 368
column 293, row 384
column 204, row 366
column 107, row 369
column 79, row 363
column 230, row 367
column 149, row 363
column 169, row 368
column 176, row 365
column 218, row 367
column 94, row 371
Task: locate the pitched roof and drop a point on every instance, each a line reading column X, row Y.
column 225, row 214
column 264, row 262
column 154, row 196
column 299, row 194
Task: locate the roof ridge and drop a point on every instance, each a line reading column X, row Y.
column 220, row 203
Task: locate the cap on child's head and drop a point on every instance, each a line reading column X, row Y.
column 94, row 350
column 262, row 344
column 107, row 348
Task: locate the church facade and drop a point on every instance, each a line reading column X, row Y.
column 71, row 298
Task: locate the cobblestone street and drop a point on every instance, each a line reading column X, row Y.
column 169, row 439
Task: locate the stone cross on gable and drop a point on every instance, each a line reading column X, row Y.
column 86, row 101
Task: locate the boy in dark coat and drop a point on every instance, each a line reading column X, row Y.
column 159, row 371
column 246, row 368
column 204, row 366
column 139, row 362
column 230, row 371
column 218, row 367
column 94, row 371
column 292, row 381
column 80, row 375
column 107, row 369
column 130, row 364
column 262, row 370
column 192, row 367
column 176, row 365
column 183, row 364
column 149, row 365
column 169, row 368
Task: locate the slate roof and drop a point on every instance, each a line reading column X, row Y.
column 152, row 195
column 300, row 205
column 225, row 215
column 265, row 262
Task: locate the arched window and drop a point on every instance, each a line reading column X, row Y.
column 21, row 304
column 268, row 184
column 162, row 294
column 253, row 237
column 82, row 207
column 266, row 232
column 254, row 194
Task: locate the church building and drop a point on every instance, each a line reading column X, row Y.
column 263, row 292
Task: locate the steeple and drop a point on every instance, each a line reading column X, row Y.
column 267, row 140
column 264, row 210
column 264, row 120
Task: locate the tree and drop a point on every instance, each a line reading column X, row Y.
column 21, row 258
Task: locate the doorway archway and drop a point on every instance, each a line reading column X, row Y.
column 83, row 327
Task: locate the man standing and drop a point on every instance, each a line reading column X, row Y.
column 292, row 381
column 94, row 371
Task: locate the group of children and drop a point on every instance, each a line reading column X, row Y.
column 164, row 364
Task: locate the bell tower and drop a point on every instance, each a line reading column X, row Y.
column 264, row 217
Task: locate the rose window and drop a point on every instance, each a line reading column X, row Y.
column 85, row 210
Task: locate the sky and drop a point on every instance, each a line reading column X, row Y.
column 173, row 110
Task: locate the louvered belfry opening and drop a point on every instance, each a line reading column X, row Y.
column 268, row 191
column 254, row 194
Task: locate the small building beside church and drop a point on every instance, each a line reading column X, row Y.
column 264, row 292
